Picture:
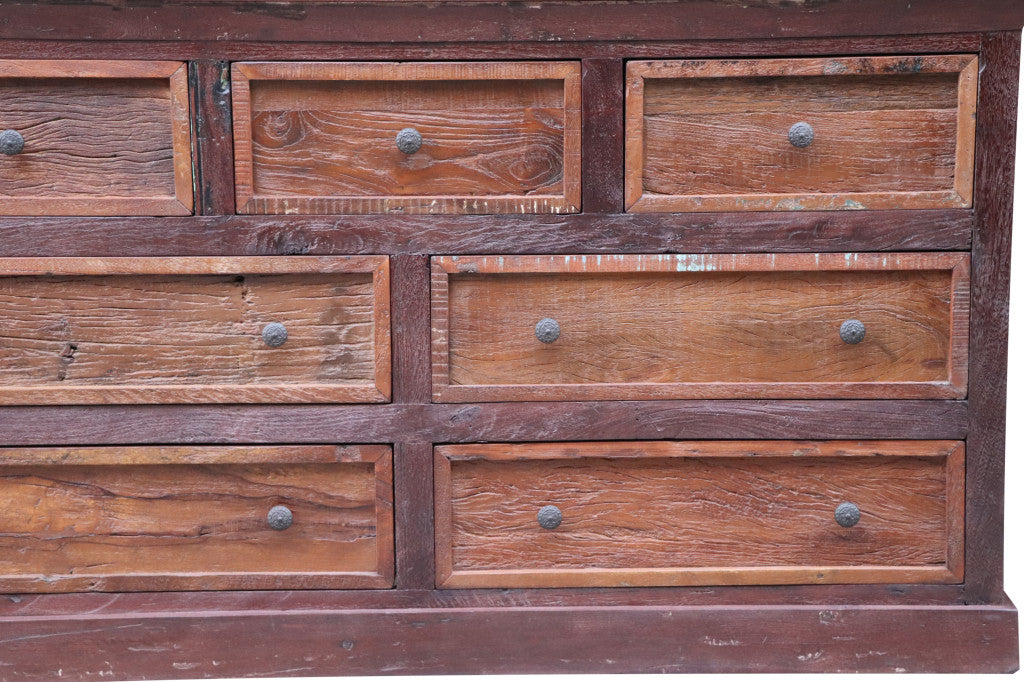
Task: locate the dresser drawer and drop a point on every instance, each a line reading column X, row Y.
column 631, row 327
column 195, row 518
column 94, row 138
column 500, row 137
column 699, row 513
column 791, row 134
column 205, row 330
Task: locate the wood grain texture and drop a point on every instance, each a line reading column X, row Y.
column 124, row 330
column 210, row 89
column 501, row 422
column 602, row 99
column 688, row 326
column 544, row 23
column 889, row 133
column 817, row 232
column 684, row 513
column 320, row 137
column 675, row 639
column 101, row 138
column 990, row 299
column 184, row 518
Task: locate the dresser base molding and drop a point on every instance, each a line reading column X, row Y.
column 813, row 638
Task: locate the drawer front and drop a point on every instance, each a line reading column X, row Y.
column 184, row 330
column 792, row 134
column 407, row 138
column 699, row 513
column 195, row 518
column 94, row 138
column 715, row 326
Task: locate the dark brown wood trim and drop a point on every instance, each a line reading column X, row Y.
column 414, row 516
column 990, row 293
column 410, row 328
column 209, row 89
column 162, row 48
column 360, row 22
column 513, row 422
column 461, row 640
column 826, row 231
column 602, row 135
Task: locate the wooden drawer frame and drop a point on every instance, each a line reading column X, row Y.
column 180, row 123
column 444, row 266
column 377, row 391
column 247, row 202
column 962, row 193
column 449, row 577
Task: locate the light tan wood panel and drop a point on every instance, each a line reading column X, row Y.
column 123, row 330
column 698, row 513
column 705, row 326
column 100, row 138
column 500, row 137
column 195, row 518
column 889, row 132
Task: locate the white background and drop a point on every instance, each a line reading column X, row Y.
column 1014, row 578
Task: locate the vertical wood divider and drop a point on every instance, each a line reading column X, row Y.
column 990, row 294
column 603, row 117
column 210, row 94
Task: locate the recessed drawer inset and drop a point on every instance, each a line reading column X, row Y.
column 319, row 137
column 94, row 138
column 195, row 518
column 698, row 513
column 793, row 134
column 638, row 327
column 194, row 330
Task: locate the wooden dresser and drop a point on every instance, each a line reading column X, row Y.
column 341, row 338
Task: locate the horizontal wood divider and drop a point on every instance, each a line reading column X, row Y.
column 250, row 50
column 823, row 231
column 363, row 22
column 500, row 422
column 665, row 639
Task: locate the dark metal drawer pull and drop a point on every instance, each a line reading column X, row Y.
column 409, row 140
column 801, row 135
column 547, row 330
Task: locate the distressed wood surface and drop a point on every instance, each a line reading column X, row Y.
column 683, row 513
column 990, row 302
column 818, row 231
column 101, row 138
column 508, row 23
column 320, row 137
column 889, row 133
column 602, row 100
column 183, row 518
column 210, row 90
column 643, row 327
column 669, row 639
column 501, row 422
column 189, row 330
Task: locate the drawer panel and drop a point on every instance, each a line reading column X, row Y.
column 637, row 327
column 792, row 134
column 95, row 138
column 187, row 330
column 475, row 137
column 195, row 518
column 698, row 513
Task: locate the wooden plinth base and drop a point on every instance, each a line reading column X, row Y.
column 598, row 639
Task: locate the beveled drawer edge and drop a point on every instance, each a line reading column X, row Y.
column 447, row 577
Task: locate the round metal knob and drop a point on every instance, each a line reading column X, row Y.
column 11, row 142
column 547, row 330
column 852, row 331
column 549, row 517
column 847, row 515
column 274, row 334
column 279, row 517
column 409, row 140
column 801, row 135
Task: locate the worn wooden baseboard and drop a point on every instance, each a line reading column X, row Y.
column 597, row 639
